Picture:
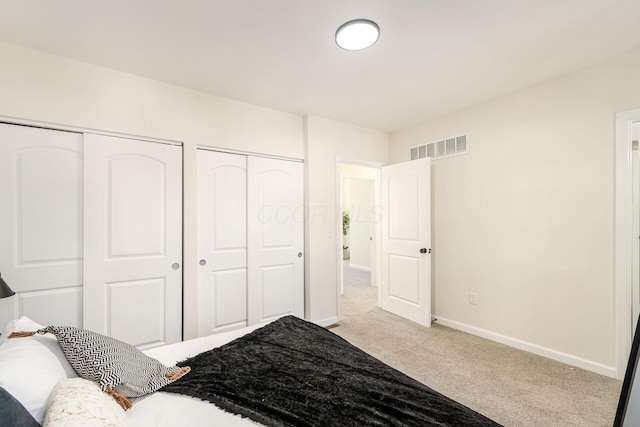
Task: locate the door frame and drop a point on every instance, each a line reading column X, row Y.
column 623, row 238
column 376, row 260
column 78, row 129
column 635, row 231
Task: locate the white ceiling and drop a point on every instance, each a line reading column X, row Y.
column 433, row 56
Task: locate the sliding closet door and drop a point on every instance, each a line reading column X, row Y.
column 133, row 240
column 41, row 222
column 275, row 218
column 222, row 241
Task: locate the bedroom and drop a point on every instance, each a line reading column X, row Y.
column 539, row 178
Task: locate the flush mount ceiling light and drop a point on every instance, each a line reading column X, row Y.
column 357, row 34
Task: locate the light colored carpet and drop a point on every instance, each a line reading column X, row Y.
column 510, row 386
column 355, row 278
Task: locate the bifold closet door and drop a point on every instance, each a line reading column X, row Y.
column 275, row 219
column 133, row 240
column 222, row 241
column 41, row 222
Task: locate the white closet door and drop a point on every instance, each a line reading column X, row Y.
column 41, row 222
column 275, row 219
column 222, row 241
column 133, row 240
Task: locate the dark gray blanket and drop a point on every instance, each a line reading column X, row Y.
column 295, row 373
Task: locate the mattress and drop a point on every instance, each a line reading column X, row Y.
column 169, row 409
column 258, row 371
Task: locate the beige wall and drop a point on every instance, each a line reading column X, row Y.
column 526, row 218
column 329, row 142
column 47, row 88
column 41, row 87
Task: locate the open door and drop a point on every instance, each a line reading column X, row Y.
column 406, row 240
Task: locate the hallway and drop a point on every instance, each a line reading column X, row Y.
column 359, row 296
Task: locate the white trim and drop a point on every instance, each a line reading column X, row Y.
column 589, row 365
column 365, row 163
column 248, row 153
column 327, row 322
column 622, row 249
column 339, row 241
column 75, row 129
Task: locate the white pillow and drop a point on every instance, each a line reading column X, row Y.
column 31, row 367
column 79, row 402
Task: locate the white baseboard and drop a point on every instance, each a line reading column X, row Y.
column 609, row 371
column 359, row 267
column 327, row 322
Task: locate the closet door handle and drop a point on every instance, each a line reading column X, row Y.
column 203, row 262
column 299, row 254
column 175, row 266
column 423, row 250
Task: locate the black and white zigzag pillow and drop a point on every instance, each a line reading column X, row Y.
column 110, row 362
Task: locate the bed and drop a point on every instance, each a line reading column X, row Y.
column 263, row 376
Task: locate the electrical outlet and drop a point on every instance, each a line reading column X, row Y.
column 473, row 298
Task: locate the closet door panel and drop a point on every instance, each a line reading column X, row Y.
column 127, row 297
column 45, row 206
column 136, row 225
column 222, row 241
column 276, row 239
column 230, row 297
column 133, row 240
column 61, row 306
column 279, row 294
column 41, row 221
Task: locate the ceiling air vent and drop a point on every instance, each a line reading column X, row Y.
column 447, row 147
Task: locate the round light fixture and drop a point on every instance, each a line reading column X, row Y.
column 357, row 34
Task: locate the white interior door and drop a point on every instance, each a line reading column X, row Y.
column 222, row 241
column 275, row 219
column 41, row 222
column 133, row 240
column 406, row 240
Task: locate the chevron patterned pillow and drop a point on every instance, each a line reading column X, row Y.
column 119, row 368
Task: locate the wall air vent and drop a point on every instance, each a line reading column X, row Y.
column 446, row 147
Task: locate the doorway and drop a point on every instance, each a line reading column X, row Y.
column 627, row 282
column 635, row 224
column 358, row 198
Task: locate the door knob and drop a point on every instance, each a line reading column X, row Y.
column 299, row 254
column 203, row 262
column 175, row 266
column 423, row 250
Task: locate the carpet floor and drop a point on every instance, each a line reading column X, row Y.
column 513, row 387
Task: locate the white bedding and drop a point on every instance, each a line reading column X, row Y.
column 30, row 370
column 170, row 409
